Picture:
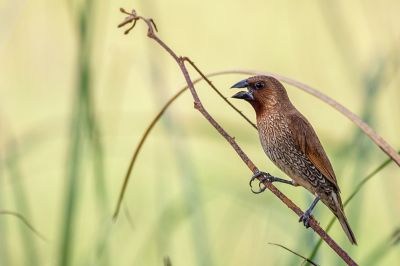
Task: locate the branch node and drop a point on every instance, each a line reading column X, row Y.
column 196, row 105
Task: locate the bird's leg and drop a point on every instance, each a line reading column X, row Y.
column 305, row 218
column 269, row 178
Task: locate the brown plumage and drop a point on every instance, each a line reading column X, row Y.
column 291, row 143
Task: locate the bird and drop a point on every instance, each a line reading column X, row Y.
column 290, row 142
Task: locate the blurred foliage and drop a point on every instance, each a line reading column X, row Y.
column 76, row 95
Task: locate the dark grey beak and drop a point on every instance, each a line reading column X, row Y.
column 244, row 95
column 241, row 84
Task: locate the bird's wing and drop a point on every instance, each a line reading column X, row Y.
column 308, row 142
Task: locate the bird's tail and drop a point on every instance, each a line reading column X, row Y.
column 339, row 212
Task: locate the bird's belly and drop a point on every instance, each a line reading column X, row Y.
column 282, row 151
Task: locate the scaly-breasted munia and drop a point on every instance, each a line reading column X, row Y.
column 291, row 143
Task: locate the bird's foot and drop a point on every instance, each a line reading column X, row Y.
column 265, row 177
column 269, row 178
column 305, row 218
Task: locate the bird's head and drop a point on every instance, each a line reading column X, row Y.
column 263, row 92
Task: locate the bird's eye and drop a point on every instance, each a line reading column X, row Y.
column 259, row 85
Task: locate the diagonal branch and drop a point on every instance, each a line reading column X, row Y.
column 133, row 18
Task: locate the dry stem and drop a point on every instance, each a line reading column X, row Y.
column 133, row 18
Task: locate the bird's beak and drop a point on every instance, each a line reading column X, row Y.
column 241, row 84
column 244, row 95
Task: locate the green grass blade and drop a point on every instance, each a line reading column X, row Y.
column 294, row 252
column 71, row 191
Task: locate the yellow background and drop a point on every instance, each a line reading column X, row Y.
column 67, row 136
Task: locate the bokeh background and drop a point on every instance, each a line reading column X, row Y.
column 76, row 95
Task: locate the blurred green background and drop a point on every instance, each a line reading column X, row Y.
column 76, row 95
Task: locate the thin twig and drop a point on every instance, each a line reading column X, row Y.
column 137, row 150
column 375, row 137
column 295, row 253
column 219, row 93
column 132, row 17
column 25, row 222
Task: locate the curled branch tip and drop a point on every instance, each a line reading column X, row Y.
column 133, row 18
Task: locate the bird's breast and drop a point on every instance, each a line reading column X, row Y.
column 275, row 136
column 278, row 143
column 274, row 131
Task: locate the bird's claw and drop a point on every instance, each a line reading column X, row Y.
column 305, row 218
column 265, row 177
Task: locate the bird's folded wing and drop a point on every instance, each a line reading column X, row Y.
column 309, row 144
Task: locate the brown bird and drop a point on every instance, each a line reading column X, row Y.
column 291, row 143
